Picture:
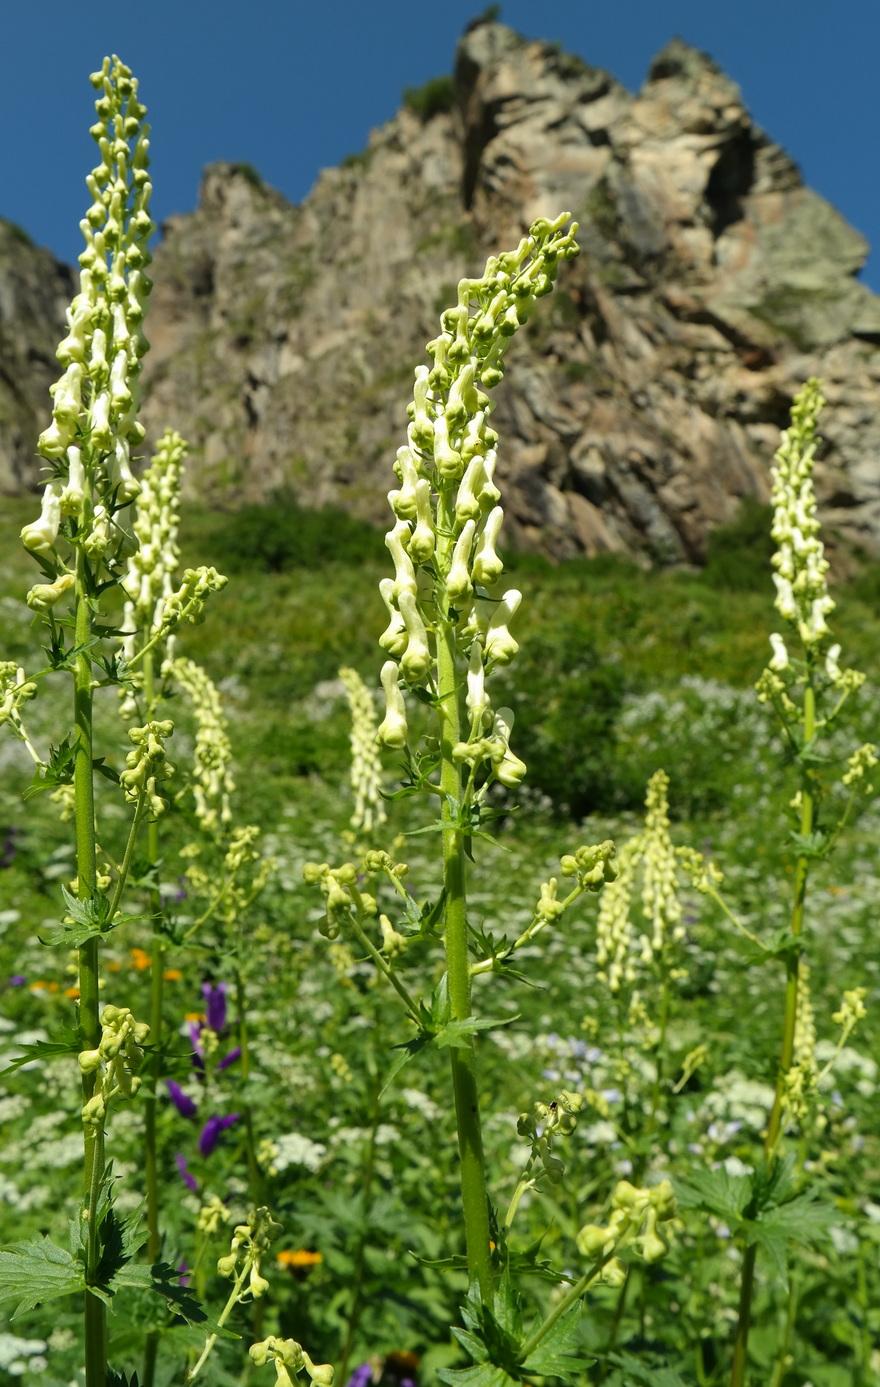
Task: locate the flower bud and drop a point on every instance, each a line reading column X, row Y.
column 458, row 583
column 417, row 659
column 40, row 536
column 394, row 638
column 593, row 1240
column 421, row 544
column 614, row 1273
column 500, row 644
column 392, row 731
column 405, row 577
column 487, row 566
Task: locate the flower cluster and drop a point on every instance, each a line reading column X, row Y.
column 290, row 1357
column 652, row 850
column 147, row 765
column 148, row 577
column 117, row 1057
column 15, row 690
column 801, row 587
column 635, row 1216
column 250, row 1243
column 366, row 768
column 343, row 901
column 545, row 1121
column 95, row 402
column 801, row 1078
column 212, row 779
column 441, row 602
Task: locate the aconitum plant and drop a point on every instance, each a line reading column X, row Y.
column 110, row 604
column 448, row 631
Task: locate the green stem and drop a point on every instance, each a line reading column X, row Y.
column 562, row 1307
column 150, row 1090
column 525, row 1183
column 387, row 972
column 125, row 865
column 234, row 1297
column 774, row 1127
column 475, row 1199
column 539, row 922
column 89, row 1000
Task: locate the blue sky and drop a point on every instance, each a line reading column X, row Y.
column 292, row 87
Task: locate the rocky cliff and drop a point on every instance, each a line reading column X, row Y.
column 646, row 395
column 34, row 291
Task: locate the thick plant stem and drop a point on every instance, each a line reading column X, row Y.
column 150, row 1089
column 89, row 1000
column 774, row 1127
column 474, row 1195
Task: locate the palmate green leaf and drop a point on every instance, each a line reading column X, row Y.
column 89, row 919
column 58, row 771
column 458, row 1033
column 116, row 1378
column 164, row 1280
column 803, row 1219
column 407, row 1050
column 642, row 1372
column 480, row 1375
column 34, row 1271
column 716, row 1192
column 555, row 1356
column 65, row 1041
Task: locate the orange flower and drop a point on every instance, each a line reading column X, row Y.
column 172, row 975
column 194, row 1016
column 299, row 1259
column 39, row 986
column 140, row 958
column 113, row 967
column 71, row 992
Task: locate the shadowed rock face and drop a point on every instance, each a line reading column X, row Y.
column 646, row 395
column 34, row 291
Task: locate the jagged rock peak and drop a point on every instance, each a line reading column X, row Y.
column 646, row 395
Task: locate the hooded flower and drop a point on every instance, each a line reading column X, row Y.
column 182, row 1101
column 215, row 1005
column 213, row 1131
column 187, row 1178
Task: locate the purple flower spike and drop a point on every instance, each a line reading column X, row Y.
column 361, row 1376
column 185, row 1176
column 215, row 1005
column 213, row 1130
column 182, row 1101
column 230, row 1058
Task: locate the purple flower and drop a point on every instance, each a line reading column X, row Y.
column 195, row 1035
column 230, row 1058
column 183, row 1273
column 182, row 1101
column 17, row 980
column 213, row 1130
column 185, row 1175
column 215, row 1005
column 361, row 1376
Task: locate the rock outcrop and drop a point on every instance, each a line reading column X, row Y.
column 646, row 395
column 35, row 289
